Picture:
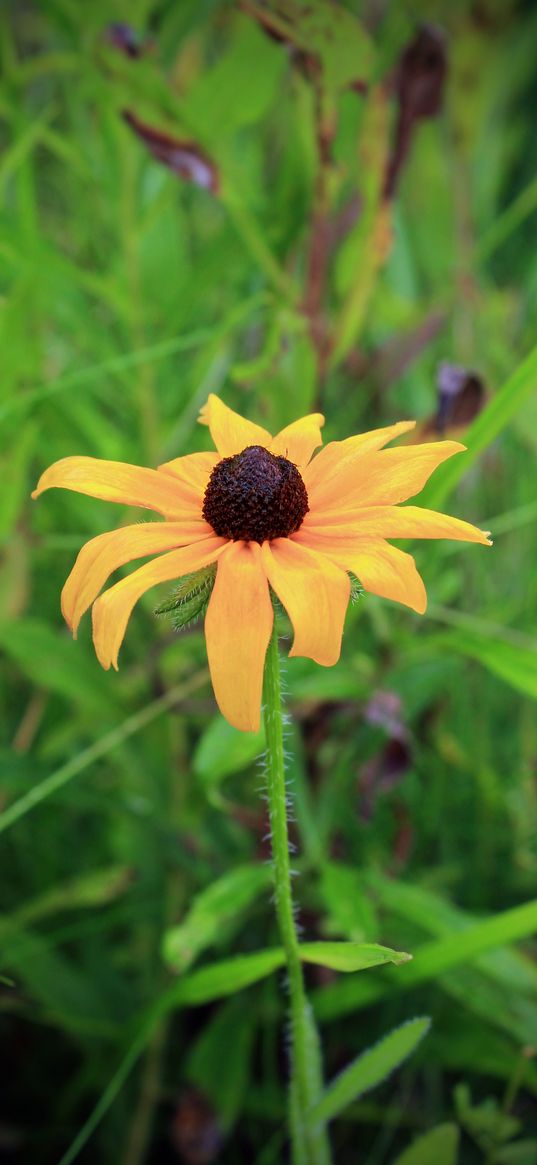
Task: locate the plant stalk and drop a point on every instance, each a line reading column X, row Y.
column 309, row 1141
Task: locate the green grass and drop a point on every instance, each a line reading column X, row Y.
column 126, row 804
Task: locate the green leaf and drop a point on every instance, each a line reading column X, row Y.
column 83, row 892
column 328, row 32
column 430, row 911
column 370, row 1069
column 350, row 912
column 439, row 1145
column 349, row 956
column 339, row 40
column 242, row 95
column 212, row 912
column 57, row 983
column 523, row 1152
column 221, row 979
column 226, row 1039
column 512, row 662
column 484, row 1120
column 223, row 750
column 53, row 662
column 431, row 960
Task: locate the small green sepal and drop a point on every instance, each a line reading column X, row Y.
column 190, row 598
column 357, row 590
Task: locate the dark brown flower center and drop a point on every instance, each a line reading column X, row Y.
column 255, row 496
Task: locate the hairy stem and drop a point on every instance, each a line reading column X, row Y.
column 309, row 1141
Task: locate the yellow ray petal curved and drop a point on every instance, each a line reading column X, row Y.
column 111, row 612
column 382, row 569
column 389, row 522
column 102, row 555
column 333, row 457
column 238, row 626
column 298, row 441
column 193, row 470
column 384, row 477
column 315, row 593
column 230, row 432
column 116, row 481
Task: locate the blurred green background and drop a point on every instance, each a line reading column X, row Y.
column 260, row 259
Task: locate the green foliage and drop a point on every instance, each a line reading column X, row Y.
column 439, row 1145
column 370, row 1068
column 221, row 979
column 515, row 663
column 135, row 883
column 340, row 45
column 213, row 913
column 223, row 750
column 190, row 598
column 350, row 956
column 227, row 1039
column 493, row 1130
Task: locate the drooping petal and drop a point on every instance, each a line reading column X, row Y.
column 333, row 457
column 382, row 569
column 315, row 593
column 238, row 626
column 104, row 554
column 230, row 432
column 111, row 612
column 298, row 441
column 387, row 522
column 386, row 476
column 116, row 481
column 193, row 470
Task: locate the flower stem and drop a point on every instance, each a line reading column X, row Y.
column 309, row 1141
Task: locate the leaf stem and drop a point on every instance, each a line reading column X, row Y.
column 309, row 1139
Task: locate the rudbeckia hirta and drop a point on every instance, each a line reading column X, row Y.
column 270, row 512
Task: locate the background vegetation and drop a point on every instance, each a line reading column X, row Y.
column 333, row 231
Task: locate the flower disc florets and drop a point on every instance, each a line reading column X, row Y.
column 255, row 497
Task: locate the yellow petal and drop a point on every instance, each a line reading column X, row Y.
column 298, row 441
column 315, row 594
column 112, row 611
column 230, row 432
column 238, row 626
column 382, row 569
column 388, row 522
column 104, row 554
column 386, row 476
column 115, row 481
column 333, row 457
column 193, row 470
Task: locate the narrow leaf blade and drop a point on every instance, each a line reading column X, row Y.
column 221, row 979
column 350, row 956
column 370, row 1069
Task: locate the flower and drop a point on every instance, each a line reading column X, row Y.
column 266, row 510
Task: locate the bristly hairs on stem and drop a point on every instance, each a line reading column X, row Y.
column 310, row 1145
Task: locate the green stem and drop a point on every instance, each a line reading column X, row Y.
column 309, row 1141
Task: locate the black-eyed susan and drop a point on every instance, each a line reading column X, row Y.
column 271, row 513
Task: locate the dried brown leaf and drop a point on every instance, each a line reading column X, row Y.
column 184, row 158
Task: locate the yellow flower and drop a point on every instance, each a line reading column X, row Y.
column 267, row 512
